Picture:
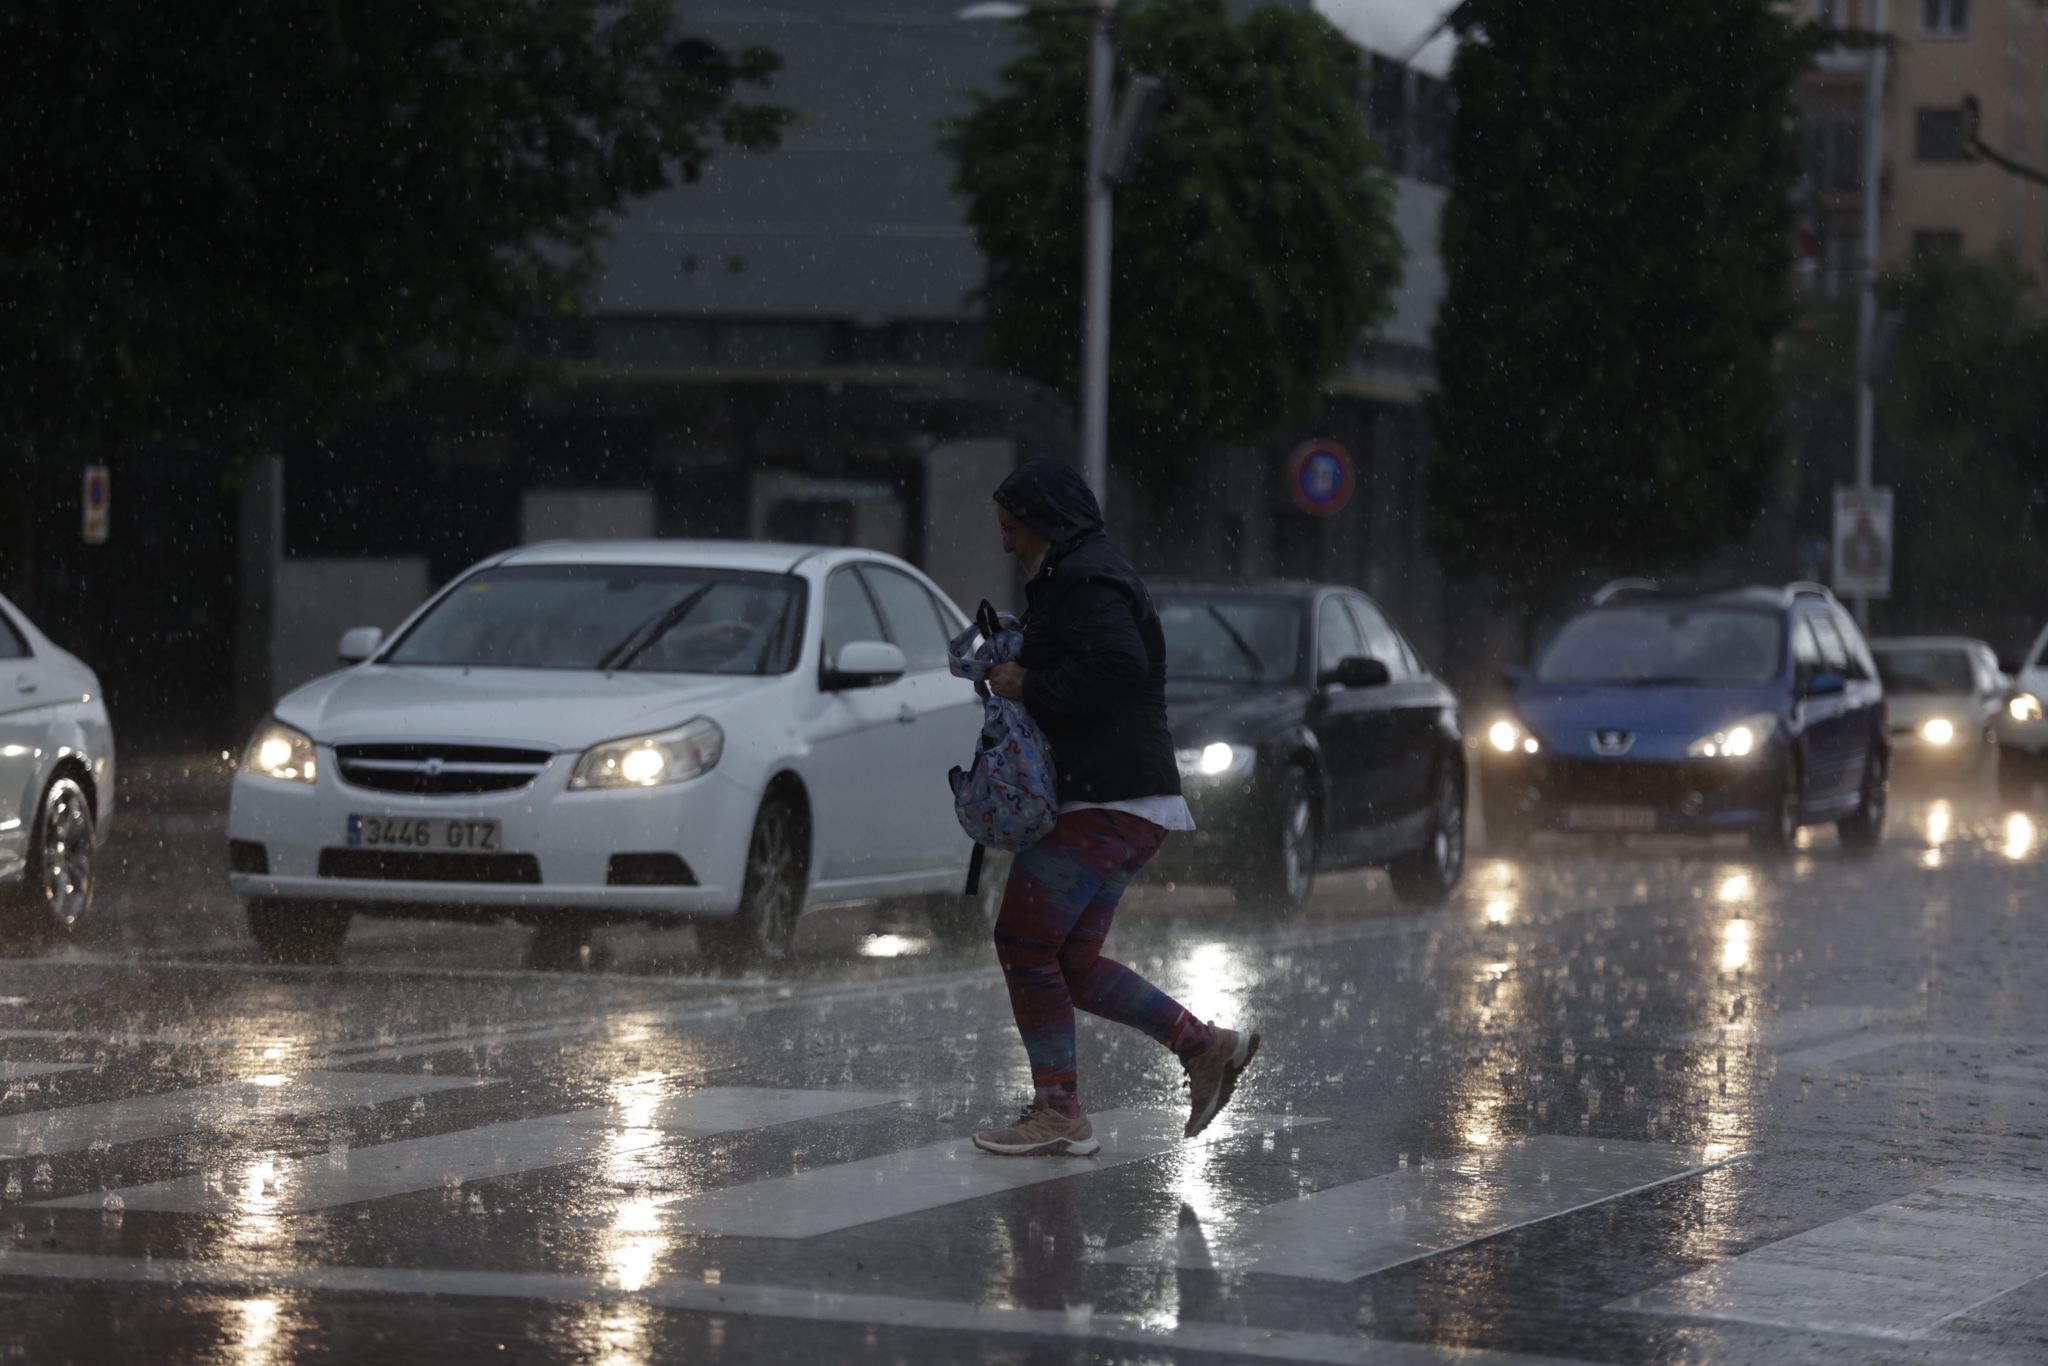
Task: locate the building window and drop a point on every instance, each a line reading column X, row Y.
column 1387, row 109
column 1410, row 114
column 1938, row 134
column 1945, row 18
column 1937, row 244
column 1834, row 154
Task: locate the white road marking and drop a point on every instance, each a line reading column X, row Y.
column 1370, row 1226
column 828, row 1199
column 13, row 1070
column 1229, row 1341
column 1896, row 1271
column 419, row 1164
column 220, row 1107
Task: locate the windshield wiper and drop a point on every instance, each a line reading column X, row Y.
column 1243, row 646
column 644, row 635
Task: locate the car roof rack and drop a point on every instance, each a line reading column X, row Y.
column 1620, row 588
column 1786, row 594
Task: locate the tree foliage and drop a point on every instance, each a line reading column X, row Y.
column 1964, row 428
column 1617, row 244
column 1251, row 251
column 221, row 217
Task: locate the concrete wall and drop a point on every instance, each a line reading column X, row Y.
column 586, row 515
column 318, row 599
column 962, row 548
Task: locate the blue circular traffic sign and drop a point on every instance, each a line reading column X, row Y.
column 1324, row 479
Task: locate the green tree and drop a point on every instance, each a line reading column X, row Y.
column 1964, row 425
column 220, row 220
column 1616, row 246
column 1252, row 250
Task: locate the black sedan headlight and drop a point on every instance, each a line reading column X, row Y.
column 1214, row 761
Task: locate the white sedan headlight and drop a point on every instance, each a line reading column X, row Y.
column 2025, row 707
column 1510, row 737
column 281, row 752
column 1939, row 731
column 1737, row 741
column 1214, row 761
column 673, row 756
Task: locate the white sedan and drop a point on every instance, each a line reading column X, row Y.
column 2022, row 727
column 56, row 778
column 1945, row 695
column 719, row 733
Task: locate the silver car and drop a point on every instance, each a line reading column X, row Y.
column 1946, row 694
column 2022, row 733
column 56, row 779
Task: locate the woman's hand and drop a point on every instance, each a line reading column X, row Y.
column 1007, row 680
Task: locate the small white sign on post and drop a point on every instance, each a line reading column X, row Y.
column 1863, row 542
column 93, row 504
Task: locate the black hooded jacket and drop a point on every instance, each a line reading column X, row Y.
column 1094, row 655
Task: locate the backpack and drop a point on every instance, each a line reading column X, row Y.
column 1007, row 797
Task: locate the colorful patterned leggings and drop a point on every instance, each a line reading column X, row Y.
column 1057, row 907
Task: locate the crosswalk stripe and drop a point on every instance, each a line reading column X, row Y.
column 416, row 1164
column 11, row 1070
column 253, row 1100
column 1896, row 1271
column 829, row 1199
column 1369, row 1226
column 1146, row 1335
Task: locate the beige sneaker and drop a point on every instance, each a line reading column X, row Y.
column 1212, row 1075
column 1041, row 1129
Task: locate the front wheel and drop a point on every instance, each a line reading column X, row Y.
column 1862, row 830
column 1283, row 871
column 298, row 931
column 772, row 897
column 1426, row 876
column 1779, row 833
column 56, row 888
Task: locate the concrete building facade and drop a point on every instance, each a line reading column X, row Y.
column 1932, row 197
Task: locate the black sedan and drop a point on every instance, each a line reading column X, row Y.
column 1310, row 737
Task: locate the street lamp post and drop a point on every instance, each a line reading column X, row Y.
column 1095, row 304
column 1095, row 285
column 1866, row 312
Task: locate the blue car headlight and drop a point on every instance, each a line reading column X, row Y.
column 1509, row 736
column 1737, row 740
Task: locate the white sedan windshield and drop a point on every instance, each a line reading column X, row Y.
column 639, row 617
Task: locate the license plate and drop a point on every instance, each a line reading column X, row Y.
column 440, row 834
column 1635, row 818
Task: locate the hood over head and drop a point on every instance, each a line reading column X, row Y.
column 1051, row 498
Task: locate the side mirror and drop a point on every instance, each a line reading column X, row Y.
column 359, row 644
column 1358, row 671
column 864, row 664
column 1826, row 685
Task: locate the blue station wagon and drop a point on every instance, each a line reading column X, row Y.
column 1754, row 709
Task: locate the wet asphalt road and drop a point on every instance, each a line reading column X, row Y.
column 1617, row 1102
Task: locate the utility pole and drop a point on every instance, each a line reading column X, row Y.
column 1866, row 316
column 1095, row 309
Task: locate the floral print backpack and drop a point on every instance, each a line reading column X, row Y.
column 1007, row 797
